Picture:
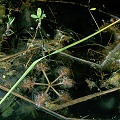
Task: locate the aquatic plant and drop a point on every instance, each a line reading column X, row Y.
column 8, row 31
column 55, row 52
column 47, row 91
column 39, row 16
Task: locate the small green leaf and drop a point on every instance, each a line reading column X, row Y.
column 12, row 20
column 43, row 16
column 34, row 16
column 39, row 12
column 93, row 9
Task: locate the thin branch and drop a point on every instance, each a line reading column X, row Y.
column 17, row 54
column 92, row 64
column 17, row 95
column 85, row 98
column 112, row 54
column 95, row 22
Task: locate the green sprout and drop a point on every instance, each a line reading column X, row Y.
column 10, row 21
column 38, row 18
column 39, row 15
column 8, row 31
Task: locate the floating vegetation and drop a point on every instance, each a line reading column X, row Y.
column 60, row 79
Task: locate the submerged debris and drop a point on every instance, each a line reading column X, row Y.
column 114, row 80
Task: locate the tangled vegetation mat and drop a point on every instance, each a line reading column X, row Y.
column 65, row 81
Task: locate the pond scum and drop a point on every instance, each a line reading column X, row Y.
column 55, row 82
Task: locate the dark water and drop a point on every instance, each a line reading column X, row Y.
column 78, row 19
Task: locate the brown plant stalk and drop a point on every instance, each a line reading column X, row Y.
column 85, row 98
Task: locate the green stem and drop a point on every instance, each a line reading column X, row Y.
column 21, row 78
column 84, row 39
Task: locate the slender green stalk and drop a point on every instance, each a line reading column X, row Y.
column 86, row 38
column 55, row 52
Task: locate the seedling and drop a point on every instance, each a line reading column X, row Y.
column 38, row 18
column 39, row 15
column 10, row 21
column 8, row 31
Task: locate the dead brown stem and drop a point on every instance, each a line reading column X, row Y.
column 17, row 54
column 85, row 98
column 17, row 95
column 110, row 56
column 92, row 64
